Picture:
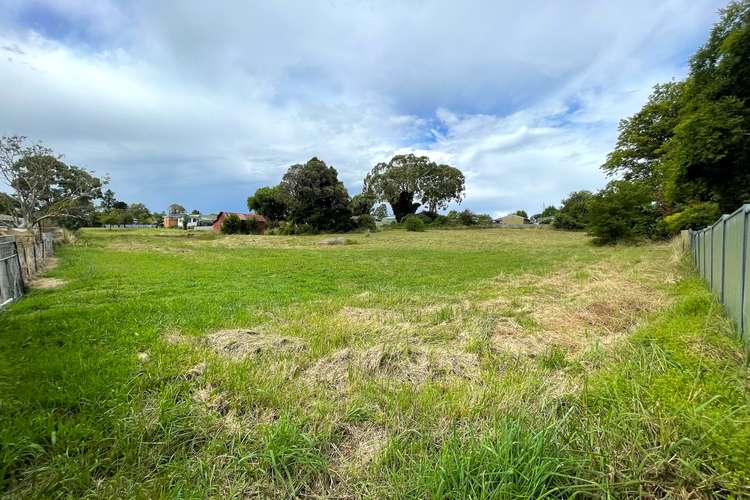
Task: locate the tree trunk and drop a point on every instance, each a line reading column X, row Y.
column 404, row 205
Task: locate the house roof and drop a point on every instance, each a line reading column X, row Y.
column 242, row 216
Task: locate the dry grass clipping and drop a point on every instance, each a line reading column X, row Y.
column 413, row 364
column 239, row 344
column 575, row 309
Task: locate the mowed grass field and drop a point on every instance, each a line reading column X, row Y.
column 445, row 364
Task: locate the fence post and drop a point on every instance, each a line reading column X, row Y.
column 711, row 262
column 723, row 253
column 743, row 273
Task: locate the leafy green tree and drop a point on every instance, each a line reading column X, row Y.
column 316, row 197
column 43, row 186
column 270, row 202
column 521, row 213
column 406, row 177
column 108, row 200
column 139, row 212
column 573, row 213
column 176, row 209
column 362, row 203
column 640, row 145
column 380, row 212
column 623, row 211
column 110, row 218
column 195, row 212
column 467, row 218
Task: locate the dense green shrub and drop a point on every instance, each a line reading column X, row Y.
column 413, row 223
column 573, row 213
column 623, row 211
column 467, row 218
column 290, row 228
column 695, row 216
column 231, row 224
column 366, row 222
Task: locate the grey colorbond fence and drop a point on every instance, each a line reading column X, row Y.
column 21, row 258
column 720, row 253
column 11, row 278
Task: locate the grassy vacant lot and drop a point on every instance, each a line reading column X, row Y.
column 445, row 364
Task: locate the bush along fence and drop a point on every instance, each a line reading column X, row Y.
column 22, row 257
column 720, row 253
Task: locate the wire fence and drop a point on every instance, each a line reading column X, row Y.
column 720, row 253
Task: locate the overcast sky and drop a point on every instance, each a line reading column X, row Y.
column 201, row 102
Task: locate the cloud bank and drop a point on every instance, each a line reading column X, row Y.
column 202, row 102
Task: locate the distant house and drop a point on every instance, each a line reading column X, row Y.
column 172, row 220
column 196, row 221
column 511, row 220
column 261, row 221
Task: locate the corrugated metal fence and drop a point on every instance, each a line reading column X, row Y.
column 11, row 279
column 720, row 253
column 21, row 258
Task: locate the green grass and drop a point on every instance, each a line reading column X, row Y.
column 443, row 364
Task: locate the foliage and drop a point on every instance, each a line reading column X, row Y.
column 380, row 212
column 140, row 213
column 231, row 224
column 43, row 186
column 484, row 219
column 573, row 213
column 291, row 228
column 269, row 202
column 623, row 211
column 316, row 197
column 176, row 209
column 521, row 213
column 690, row 143
column 362, row 203
column 707, row 158
column 413, row 223
column 366, row 222
column 467, row 218
column 694, row 216
column 406, row 177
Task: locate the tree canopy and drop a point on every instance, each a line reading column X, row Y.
column 573, row 213
column 316, row 197
column 44, row 187
column 408, row 177
column 687, row 150
column 270, row 202
column 176, row 209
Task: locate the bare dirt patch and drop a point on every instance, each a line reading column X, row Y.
column 239, row 344
column 46, row 283
column 412, row 364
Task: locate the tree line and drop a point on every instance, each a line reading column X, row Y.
column 45, row 189
column 311, row 198
column 684, row 158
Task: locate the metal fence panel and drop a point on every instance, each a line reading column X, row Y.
column 745, row 290
column 11, row 280
column 721, row 254
column 717, row 257
column 732, row 271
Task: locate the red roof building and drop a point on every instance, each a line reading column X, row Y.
column 261, row 221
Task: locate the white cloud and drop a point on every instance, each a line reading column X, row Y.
column 202, row 102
